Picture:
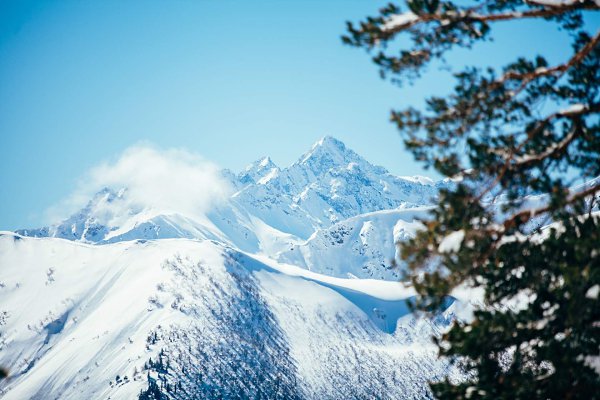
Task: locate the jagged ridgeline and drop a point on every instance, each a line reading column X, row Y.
column 185, row 319
column 261, row 296
column 283, row 212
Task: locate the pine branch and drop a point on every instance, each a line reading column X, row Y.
column 525, row 215
column 559, row 70
column 521, row 218
column 527, row 78
column 526, row 160
column 561, row 146
column 469, row 16
column 572, row 112
column 495, row 116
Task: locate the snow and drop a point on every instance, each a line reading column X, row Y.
column 255, row 172
column 593, row 362
column 91, row 290
column 298, row 260
column 574, row 108
column 399, row 20
column 452, row 242
column 520, row 301
column 327, row 185
column 517, row 237
column 304, row 249
column 365, row 232
column 70, row 336
column 383, row 290
column 553, row 3
column 592, row 293
column 270, row 175
column 265, row 161
column 362, row 246
column 423, row 180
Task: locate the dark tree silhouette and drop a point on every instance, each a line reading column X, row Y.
column 529, row 128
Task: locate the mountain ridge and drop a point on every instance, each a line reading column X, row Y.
column 284, row 289
column 270, row 210
column 206, row 321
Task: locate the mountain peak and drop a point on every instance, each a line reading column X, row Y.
column 330, row 151
column 257, row 170
column 264, row 163
column 330, row 142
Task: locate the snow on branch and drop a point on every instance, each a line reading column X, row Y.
column 552, row 3
column 510, row 158
column 452, row 242
column 523, row 216
column 399, row 22
column 572, row 111
column 555, row 147
column 559, row 69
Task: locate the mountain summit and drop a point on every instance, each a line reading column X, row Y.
column 329, row 152
column 260, row 295
column 257, row 170
column 272, row 209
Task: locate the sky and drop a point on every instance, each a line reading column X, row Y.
column 228, row 81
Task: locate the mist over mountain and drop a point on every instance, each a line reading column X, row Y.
column 269, row 209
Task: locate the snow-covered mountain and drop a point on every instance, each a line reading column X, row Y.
column 364, row 245
column 281, row 290
column 197, row 319
column 326, row 185
column 271, row 211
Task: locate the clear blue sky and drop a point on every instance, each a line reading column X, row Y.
column 80, row 81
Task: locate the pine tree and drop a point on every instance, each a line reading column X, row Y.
column 503, row 134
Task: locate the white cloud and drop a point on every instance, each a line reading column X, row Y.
column 161, row 181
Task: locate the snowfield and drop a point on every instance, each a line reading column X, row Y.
column 274, row 209
column 360, row 246
column 204, row 320
column 282, row 289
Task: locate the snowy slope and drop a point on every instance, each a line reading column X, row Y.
column 273, row 210
column 362, row 246
column 283, row 289
column 203, row 320
column 326, row 185
column 275, row 291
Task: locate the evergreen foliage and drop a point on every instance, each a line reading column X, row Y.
column 530, row 128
